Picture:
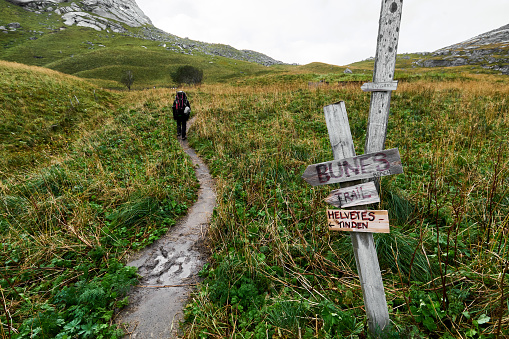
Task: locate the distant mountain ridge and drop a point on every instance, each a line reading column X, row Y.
column 497, row 37
column 113, row 15
column 489, row 50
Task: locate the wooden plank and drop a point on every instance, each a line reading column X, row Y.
column 385, row 61
column 362, row 194
column 364, row 249
column 380, row 86
column 358, row 221
column 338, row 127
column 366, row 166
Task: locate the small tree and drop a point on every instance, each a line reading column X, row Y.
column 187, row 75
column 128, row 79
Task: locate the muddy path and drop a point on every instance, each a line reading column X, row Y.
column 169, row 267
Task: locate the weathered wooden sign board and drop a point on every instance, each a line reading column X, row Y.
column 380, row 86
column 366, row 166
column 358, row 221
column 363, row 194
column 372, row 165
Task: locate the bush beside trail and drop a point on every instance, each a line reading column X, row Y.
column 188, row 74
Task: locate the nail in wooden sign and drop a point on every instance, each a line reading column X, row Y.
column 358, row 221
column 363, row 194
column 380, row 86
column 366, row 166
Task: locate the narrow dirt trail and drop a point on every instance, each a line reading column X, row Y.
column 169, row 267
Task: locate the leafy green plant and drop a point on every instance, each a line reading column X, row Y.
column 474, row 332
column 84, row 309
column 335, row 321
column 426, row 309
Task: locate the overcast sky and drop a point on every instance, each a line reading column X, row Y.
column 336, row 32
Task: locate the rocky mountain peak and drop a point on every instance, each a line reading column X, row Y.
column 490, row 50
column 97, row 14
column 499, row 36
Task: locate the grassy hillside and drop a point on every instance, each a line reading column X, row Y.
column 43, row 40
column 84, row 181
column 151, row 64
column 110, row 178
column 41, row 111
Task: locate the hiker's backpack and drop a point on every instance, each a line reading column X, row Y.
column 179, row 105
column 180, row 102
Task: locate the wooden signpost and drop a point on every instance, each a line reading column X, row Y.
column 358, row 221
column 343, row 150
column 366, row 166
column 380, row 86
column 362, row 194
column 363, row 245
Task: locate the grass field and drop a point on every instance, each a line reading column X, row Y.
column 276, row 269
column 89, row 175
column 84, row 181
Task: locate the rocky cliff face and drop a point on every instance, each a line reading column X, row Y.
column 490, row 50
column 96, row 14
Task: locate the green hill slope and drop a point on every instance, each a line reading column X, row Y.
column 87, row 53
column 43, row 40
column 41, row 108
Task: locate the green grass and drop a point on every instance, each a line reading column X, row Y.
column 443, row 262
column 84, row 184
column 108, row 181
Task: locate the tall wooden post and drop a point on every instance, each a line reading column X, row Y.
column 385, row 62
column 342, row 145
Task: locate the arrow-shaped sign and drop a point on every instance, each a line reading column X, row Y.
column 366, row 166
column 363, row 194
column 358, row 221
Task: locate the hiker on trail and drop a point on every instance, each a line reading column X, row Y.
column 181, row 112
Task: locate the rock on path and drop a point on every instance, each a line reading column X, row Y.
column 169, row 267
